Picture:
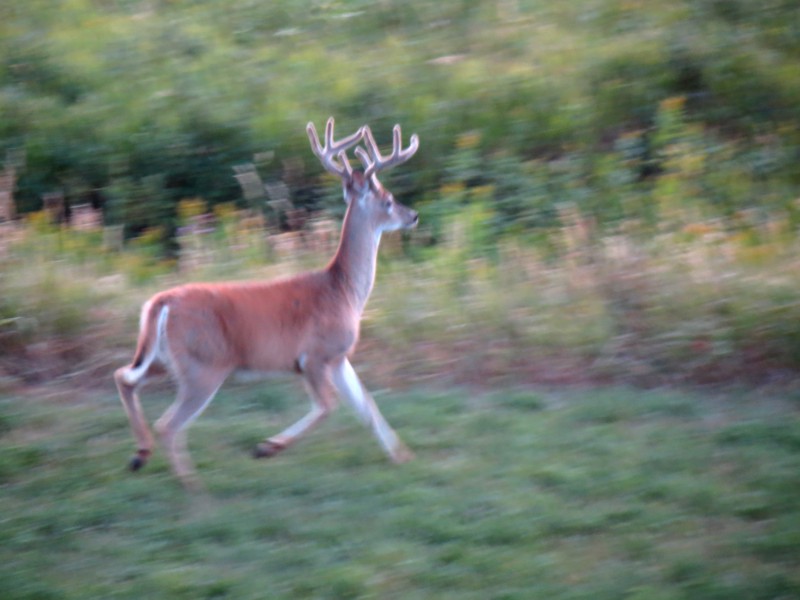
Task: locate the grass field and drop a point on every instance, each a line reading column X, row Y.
column 608, row 195
column 598, row 493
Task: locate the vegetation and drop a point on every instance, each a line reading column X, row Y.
column 697, row 305
column 608, row 186
column 514, row 494
column 609, row 105
column 608, row 193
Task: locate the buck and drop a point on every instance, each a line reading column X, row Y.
column 202, row 333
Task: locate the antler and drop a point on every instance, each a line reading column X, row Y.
column 326, row 155
column 374, row 162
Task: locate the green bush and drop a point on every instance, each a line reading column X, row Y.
column 107, row 97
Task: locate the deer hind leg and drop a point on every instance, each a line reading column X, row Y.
column 323, row 401
column 133, row 408
column 351, row 389
column 195, row 393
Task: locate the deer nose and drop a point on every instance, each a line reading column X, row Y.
column 414, row 218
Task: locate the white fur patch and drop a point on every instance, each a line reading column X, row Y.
column 350, row 387
column 354, row 390
column 157, row 347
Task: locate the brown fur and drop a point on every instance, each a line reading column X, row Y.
column 256, row 326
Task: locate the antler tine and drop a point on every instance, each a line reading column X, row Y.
column 366, row 161
column 332, row 148
column 314, row 139
column 345, row 162
column 374, row 161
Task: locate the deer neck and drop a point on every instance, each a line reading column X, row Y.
column 353, row 265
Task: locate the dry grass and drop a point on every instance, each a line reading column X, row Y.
column 696, row 305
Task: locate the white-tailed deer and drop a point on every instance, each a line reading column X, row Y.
column 308, row 324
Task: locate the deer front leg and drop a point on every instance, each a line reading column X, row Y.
column 323, row 401
column 351, row 389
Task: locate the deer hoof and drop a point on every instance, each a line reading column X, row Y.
column 402, row 455
column 139, row 460
column 267, row 449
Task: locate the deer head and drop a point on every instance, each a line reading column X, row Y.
column 363, row 192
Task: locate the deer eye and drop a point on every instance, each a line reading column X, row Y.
column 387, row 204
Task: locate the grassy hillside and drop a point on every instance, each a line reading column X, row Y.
column 601, row 494
column 608, row 196
column 608, row 493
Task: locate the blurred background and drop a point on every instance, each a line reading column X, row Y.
column 591, row 341
column 609, row 189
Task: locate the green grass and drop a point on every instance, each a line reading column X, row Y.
column 598, row 493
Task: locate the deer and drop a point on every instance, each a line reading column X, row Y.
column 307, row 324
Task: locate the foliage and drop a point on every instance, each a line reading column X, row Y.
column 701, row 300
column 139, row 105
